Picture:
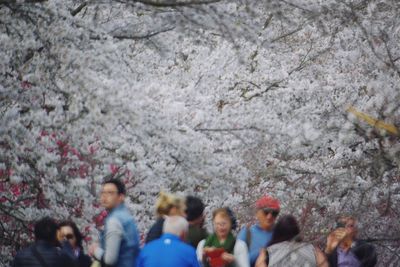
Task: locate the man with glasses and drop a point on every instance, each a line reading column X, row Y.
column 119, row 242
column 258, row 235
column 343, row 249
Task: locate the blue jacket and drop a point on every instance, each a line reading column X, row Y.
column 129, row 248
column 259, row 238
column 167, row 251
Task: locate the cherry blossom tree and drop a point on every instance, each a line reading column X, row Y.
column 225, row 99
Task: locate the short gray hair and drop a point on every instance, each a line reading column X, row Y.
column 176, row 225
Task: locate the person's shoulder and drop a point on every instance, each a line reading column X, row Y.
column 242, row 233
column 240, row 244
column 23, row 253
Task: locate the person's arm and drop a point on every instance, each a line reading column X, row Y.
column 334, row 240
column 199, row 251
column 195, row 262
column 321, row 259
column 241, row 254
column 113, row 237
column 260, row 262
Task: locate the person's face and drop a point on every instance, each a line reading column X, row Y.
column 351, row 228
column 109, row 196
column 66, row 232
column 266, row 218
column 222, row 226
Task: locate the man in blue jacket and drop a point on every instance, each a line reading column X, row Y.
column 119, row 242
column 169, row 250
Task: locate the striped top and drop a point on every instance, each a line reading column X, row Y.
column 289, row 253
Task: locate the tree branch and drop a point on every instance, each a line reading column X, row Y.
column 175, row 3
column 132, row 37
column 78, row 9
column 21, row 1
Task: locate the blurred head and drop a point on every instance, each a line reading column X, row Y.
column 112, row 193
column 268, row 209
column 223, row 221
column 349, row 223
column 46, row 229
column 194, row 208
column 69, row 231
column 176, row 225
column 285, row 229
column 170, row 205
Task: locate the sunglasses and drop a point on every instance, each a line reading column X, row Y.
column 271, row 211
column 69, row 236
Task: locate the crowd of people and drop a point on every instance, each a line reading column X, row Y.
column 178, row 238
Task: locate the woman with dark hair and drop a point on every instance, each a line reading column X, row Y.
column 68, row 231
column 286, row 249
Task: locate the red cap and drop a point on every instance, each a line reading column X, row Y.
column 268, row 202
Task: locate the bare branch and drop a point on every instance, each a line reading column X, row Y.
column 21, row 1
column 138, row 37
column 78, row 9
column 175, row 3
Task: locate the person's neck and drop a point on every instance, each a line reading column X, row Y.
column 196, row 222
column 267, row 229
column 222, row 239
column 346, row 244
column 113, row 208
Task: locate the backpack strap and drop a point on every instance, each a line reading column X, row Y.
column 248, row 236
column 38, row 256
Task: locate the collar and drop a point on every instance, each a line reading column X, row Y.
column 258, row 227
column 170, row 236
column 119, row 207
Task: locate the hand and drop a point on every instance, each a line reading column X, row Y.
column 92, row 248
column 227, row 257
column 334, row 239
column 262, row 256
column 208, row 249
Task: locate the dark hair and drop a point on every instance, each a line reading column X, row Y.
column 194, row 208
column 285, row 229
column 118, row 183
column 233, row 218
column 46, row 229
column 78, row 235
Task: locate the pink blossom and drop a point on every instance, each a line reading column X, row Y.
column 26, row 85
column 92, row 149
column 16, row 190
column 83, row 170
column 114, row 168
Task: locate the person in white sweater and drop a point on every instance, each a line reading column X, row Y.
column 221, row 248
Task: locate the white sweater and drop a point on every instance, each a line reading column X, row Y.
column 240, row 252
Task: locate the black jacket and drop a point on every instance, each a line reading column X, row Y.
column 364, row 252
column 84, row 260
column 51, row 255
column 155, row 231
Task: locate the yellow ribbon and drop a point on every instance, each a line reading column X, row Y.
column 390, row 128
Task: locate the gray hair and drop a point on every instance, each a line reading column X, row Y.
column 176, row 225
